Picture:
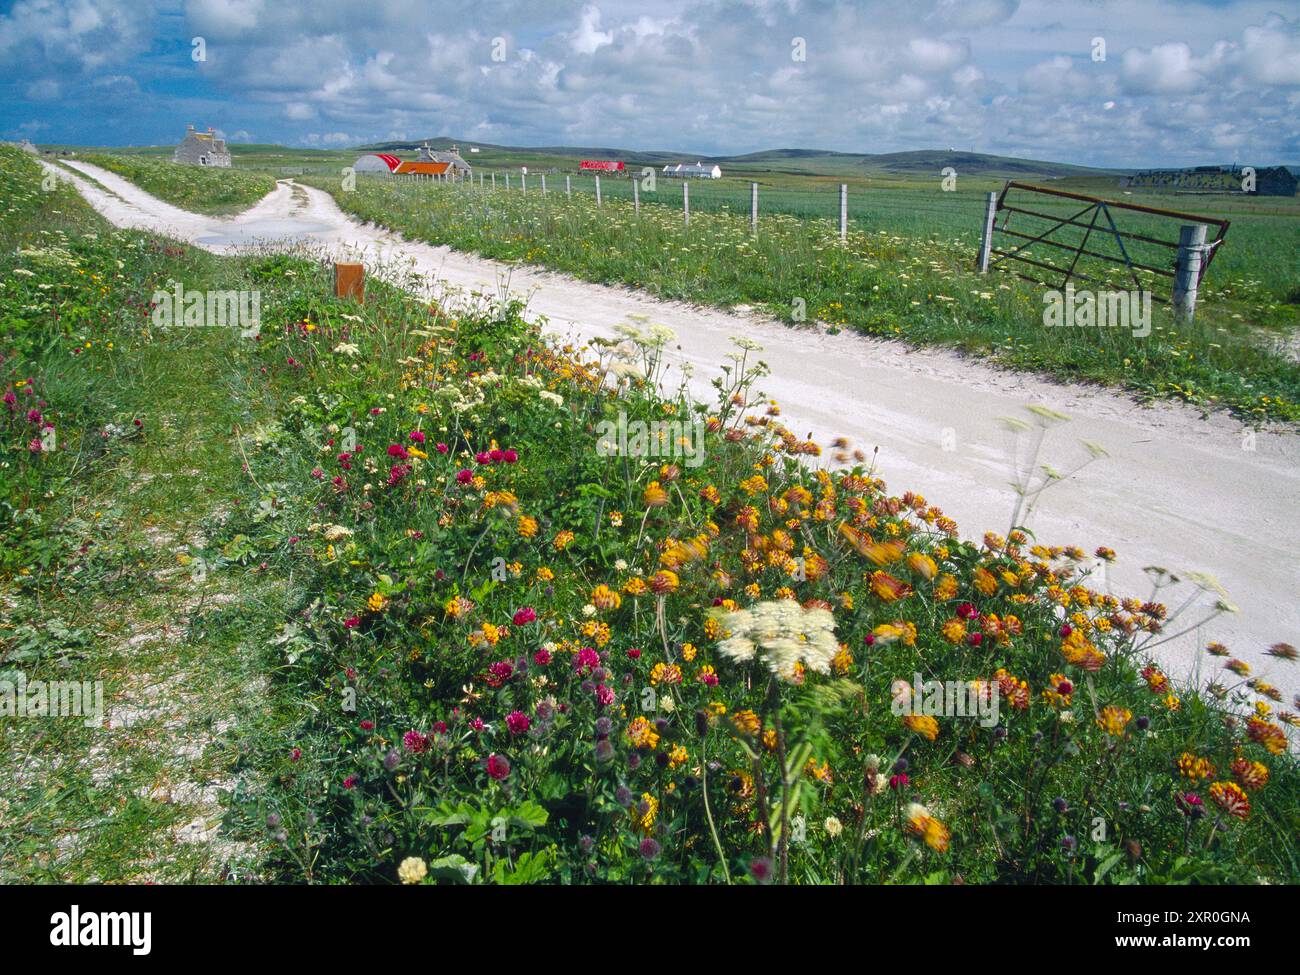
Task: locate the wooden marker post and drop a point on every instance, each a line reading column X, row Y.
column 350, row 281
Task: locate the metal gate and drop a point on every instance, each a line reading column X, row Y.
column 1080, row 221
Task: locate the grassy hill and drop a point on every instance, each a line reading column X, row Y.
column 795, row 162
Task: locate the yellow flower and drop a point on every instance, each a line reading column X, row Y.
column 645, row 811
column 1113, row 720
column 1194, row 767
column 663, row 673
column 921, row 824
column 562, row 540
column 641, row 733
column 1231, row 798
column 376, row 603
column 946, row 587
column 602, row 597
column 923, row 725
column 984, row 581
column 527, row 526
column 746, row 722
column 842, row 662
column 922, row 565
column 654, row 496
column 664, row 581
column 1250, row 775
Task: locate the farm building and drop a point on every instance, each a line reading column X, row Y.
column 202, row 149
column 383, row 162
column 698, row 171
column 376, row 162
column 425, row 169
column 459, row 167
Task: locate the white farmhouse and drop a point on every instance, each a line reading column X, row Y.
column 698, row 171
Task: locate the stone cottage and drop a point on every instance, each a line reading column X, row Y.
column 459, row 167
column 202, row 149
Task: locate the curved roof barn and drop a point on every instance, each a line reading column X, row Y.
column 376, row 162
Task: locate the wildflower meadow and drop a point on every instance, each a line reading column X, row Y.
column 451, row 626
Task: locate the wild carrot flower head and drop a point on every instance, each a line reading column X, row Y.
column 784, row 634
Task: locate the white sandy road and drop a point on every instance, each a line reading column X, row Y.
column 1177, row 490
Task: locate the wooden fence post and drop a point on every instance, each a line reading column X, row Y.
column 568, row 186
column 494, row 180
column 844, row 211
column 597, row 191
column 523, row 183
column 986, row 242
column 543, row 184
column 753, row 207
column 686, row 202
column 1187, row 272
column 636, row 196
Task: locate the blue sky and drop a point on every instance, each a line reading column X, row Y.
column 1180, row 82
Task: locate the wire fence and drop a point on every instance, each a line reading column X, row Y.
column 952, row 215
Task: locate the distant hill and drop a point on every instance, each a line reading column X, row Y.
column 803, row 162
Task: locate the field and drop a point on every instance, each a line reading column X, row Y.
column 372, row 603
column 906, row 272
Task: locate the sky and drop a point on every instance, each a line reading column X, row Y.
column 1127, row 84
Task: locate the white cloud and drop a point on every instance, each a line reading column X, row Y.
column 700, row 76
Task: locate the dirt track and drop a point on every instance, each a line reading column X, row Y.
column 1177, row 490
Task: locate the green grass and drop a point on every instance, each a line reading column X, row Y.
column 214, row 191
column 96, row 529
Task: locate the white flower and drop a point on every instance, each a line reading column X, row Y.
column 347, row 348
column 786, row 633
column 550, row 397
column 833, row 827
column 412, row 870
